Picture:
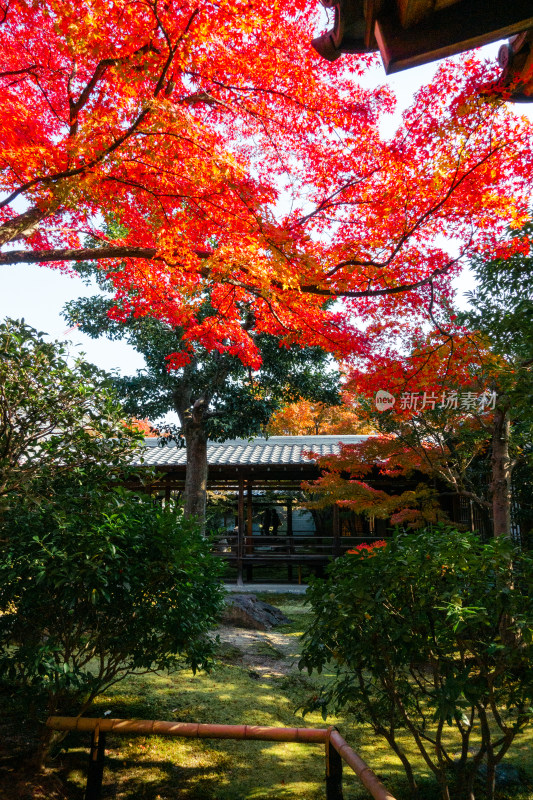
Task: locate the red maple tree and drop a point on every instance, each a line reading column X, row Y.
column 229, row 154
column 446, row 432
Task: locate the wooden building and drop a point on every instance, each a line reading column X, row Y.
column 255, row 492
column 408, row 33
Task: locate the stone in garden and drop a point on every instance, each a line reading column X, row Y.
column 506, row 775
column 246, row 611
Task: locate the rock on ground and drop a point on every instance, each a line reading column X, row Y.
column 246, row 611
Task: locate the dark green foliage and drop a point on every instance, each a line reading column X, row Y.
column 502, row 303
column 237, row 401
column 95, row 584
column 57, row 416
column 501, row 308
column 433, row 635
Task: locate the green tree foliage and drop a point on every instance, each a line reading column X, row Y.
column 214, row 395
column 95, row 582
column 430, row 635
column 501, row 308
column 237, row 401
column 58, row 416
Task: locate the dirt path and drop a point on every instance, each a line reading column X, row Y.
column 267, row 653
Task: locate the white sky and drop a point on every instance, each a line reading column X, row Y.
column 39, row 293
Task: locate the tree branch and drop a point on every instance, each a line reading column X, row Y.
column 150, row 253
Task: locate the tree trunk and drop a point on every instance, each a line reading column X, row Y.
column 491, row 779
column 464, row 787
column 501, row 474
column 192, row 420
column 195, row 492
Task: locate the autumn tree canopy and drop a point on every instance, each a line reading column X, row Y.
column 460, row 418
column 233, row 157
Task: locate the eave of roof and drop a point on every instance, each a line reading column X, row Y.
column 409, row 33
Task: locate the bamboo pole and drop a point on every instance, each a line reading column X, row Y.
column 196, row 730
column 188, row 729
column 368, row 778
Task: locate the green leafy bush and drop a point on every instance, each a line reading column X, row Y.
column 98, row 586
column 95, row 582
column 433, row 635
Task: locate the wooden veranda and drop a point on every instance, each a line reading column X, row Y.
column 263, row 524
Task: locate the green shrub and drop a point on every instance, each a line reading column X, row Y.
column 96, row 584
column 432, row 635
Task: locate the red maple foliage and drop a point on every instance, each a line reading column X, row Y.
column 446, row 416
column 366, row 548
column 231, row 156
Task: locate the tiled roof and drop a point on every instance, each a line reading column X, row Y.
column 274, row 450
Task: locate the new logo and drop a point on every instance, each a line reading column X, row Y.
column 384, row 400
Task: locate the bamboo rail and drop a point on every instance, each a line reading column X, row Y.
column 337, row 749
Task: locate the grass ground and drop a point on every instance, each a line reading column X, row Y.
column 236, row 691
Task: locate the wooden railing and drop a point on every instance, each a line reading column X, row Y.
column 233, row 547
column 336, row 748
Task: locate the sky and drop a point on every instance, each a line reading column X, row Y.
column 39, row 293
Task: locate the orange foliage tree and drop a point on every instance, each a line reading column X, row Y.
column 232, row 157
column 307, row 418
column 144, row 426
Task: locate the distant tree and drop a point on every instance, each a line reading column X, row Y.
column 214, row 395
column 144, row 426
column 307, row 418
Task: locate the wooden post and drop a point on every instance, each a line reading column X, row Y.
column 240, row 527
column 249, row 530
column 290, row 540
column 336, row 532
column 95, row 771
column 333, row 773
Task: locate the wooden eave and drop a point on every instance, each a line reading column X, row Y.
column 409, row 33
column 258, row 473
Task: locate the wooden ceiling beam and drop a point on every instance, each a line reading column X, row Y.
column 452, row 30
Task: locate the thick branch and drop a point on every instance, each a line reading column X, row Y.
column 22, row 225
column 84, row 254
column 96, row 254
